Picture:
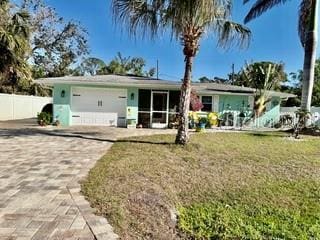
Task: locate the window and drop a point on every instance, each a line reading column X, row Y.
column 207, row 103
column 174, row 99
column 144, row 100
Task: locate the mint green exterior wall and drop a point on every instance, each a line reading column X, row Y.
column 61, row 107
column 233, row 102
column 271, row 115
column 132, row 104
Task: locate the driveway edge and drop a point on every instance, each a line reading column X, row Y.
column 99, row 226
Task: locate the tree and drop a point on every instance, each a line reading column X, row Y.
column 14, row 45
column 126, row 66
column 205, row 79
column 296, row 83
column 308, row 27
column 56, row 44
column 252, row 76
column 90, row 66
column 263, row 76
column 188, row 21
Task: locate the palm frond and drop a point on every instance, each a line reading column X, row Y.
column 232, row 33
column 260, row 7
column 139, row 16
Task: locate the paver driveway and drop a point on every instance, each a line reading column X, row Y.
column 35, row 171
column 38, row 170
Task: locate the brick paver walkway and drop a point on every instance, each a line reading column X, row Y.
column 35, row 171
column 39, row 190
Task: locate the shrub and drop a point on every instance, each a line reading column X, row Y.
column 44, row 118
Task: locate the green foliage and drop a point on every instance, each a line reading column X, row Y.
column 203, row 120
column 186, row 20
column 254, row 75
column 89, row 66
column 220, row 220
column 260, row 7
column 119, row 65
column 44, row 118
column 128, row 65
column 303, row 116
column 264, row 77
column 14, row 45
column 296, row 82
column 56, row 43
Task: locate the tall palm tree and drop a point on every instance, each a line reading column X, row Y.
column 14, row 39
column 308, row 26
column 187, row 21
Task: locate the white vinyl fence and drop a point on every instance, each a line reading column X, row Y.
column 291, row 111
column 14, row 107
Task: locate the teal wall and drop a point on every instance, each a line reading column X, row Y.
column 233, row 102
column 132, row 104
column 271, row 115
column 61, row 108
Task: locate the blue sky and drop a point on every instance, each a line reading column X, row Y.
column 274, row 38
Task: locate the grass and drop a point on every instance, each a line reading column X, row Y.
column 222, row 186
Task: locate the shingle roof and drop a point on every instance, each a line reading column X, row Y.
column 133, row 81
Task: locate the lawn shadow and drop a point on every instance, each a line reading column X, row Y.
column 267, row 134
column 26, row 132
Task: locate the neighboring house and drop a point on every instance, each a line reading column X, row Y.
column 113, row 100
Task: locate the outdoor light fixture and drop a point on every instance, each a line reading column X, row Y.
column 132, row 96
column 63, row 93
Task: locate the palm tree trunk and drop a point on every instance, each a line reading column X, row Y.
column 310, row 59
column 183, row 134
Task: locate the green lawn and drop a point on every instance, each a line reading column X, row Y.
column 222, row 185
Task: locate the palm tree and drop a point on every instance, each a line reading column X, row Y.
column 14, row 40
column 264, row 77
column 308, row 26
column 187, row 21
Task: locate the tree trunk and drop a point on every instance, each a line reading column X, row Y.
column 310, row 59
column 183, row 134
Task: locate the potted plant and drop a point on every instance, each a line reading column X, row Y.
column 44, row 119
column 213, row 119
column 202, row 124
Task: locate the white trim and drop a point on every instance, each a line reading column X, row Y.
column 159, row 125
column 212, row 101
column 251, row 102
column 216, row 99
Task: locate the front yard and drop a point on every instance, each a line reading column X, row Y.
column 221, row 186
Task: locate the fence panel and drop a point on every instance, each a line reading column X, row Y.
column 14, row 107
column 315, row 112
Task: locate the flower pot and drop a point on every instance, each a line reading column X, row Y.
column 201, row 127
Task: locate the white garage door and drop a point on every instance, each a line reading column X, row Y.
column 99, row 106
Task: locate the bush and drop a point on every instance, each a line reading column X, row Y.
column 221, row 221
column 44, row 118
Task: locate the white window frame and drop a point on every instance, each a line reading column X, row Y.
column 212, row 102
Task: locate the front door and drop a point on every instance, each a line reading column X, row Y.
column 159, row 109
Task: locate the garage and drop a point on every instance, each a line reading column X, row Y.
column 98, row 106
